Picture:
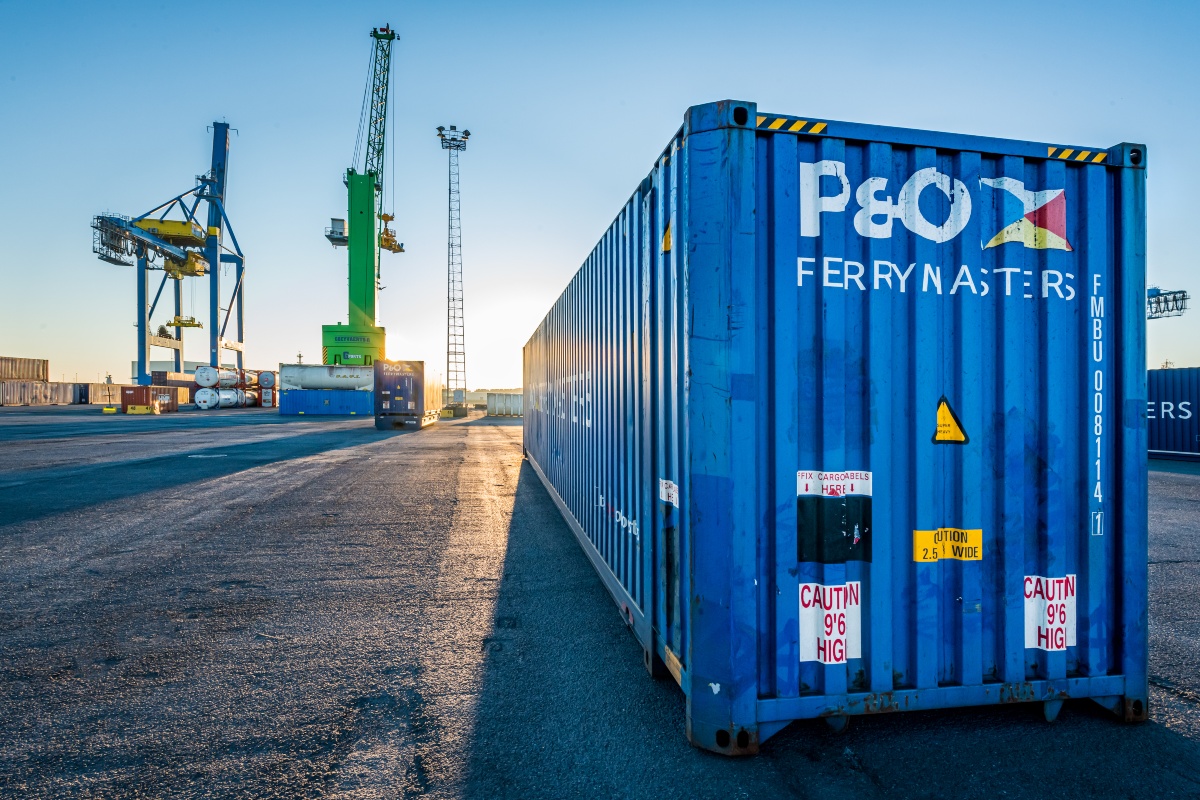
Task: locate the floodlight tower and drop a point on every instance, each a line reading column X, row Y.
column 454, row 141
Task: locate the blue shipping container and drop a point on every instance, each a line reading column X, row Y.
column 1172, row 406
column 404, row 396
column 851, row 419
column 329, row 402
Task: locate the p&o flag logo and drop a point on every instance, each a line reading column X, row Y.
column 1038, row 219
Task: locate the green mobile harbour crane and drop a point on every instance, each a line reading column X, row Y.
column 360, row 341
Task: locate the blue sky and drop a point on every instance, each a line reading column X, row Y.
column 104, row 107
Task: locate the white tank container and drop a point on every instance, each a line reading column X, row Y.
column 207, row 398
column 266, row 380
column 228, row 398
column 212, row 377
column 250, row 378
column 206, row 377
column 252, row 398
column 325, row 376
column 241, row 398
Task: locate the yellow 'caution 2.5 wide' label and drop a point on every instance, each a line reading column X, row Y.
column 943, row 543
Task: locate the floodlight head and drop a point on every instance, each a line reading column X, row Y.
column 452, row 138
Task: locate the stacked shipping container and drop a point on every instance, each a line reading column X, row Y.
column 325, row 389
column 25, row 382
column 24, row 369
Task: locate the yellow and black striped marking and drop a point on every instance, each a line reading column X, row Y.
column 1077, row 154
column 790, row 125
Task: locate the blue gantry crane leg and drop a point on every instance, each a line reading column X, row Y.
column 181, row 248
column 212, row 248
column 178, row 351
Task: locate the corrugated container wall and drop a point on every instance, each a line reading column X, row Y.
column 39, row 393
column 851, row 419
column 331, row 402
column 170, row 398
column 1173, row 412
column 61, row 394
column 24, row 393
column 24, row 369
column 500, row 404
column 179, row 379
column 104, row 394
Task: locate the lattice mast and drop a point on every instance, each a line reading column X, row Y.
column 454, row 141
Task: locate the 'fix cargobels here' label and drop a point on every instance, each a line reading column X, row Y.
column 833, row 516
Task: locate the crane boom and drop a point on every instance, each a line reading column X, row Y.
column 381, row 69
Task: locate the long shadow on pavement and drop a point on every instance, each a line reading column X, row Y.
column 502, row 422
column 567, row 710
column 65, row 422
column 41, row 493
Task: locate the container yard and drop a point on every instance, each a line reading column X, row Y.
column 828, row 441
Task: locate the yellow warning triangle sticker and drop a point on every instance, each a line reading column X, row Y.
column 949, row 429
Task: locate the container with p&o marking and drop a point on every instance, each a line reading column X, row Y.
column 852, row 419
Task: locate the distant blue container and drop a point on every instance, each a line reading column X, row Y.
column 1173, row 412
column 404, row 396
column 327, row 402
column 851, row 419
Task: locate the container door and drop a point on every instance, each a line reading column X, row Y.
column 946, row 439
column 408, row 395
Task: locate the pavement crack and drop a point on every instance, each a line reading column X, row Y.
column 1180, row 692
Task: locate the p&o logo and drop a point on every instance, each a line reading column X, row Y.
column 1035, row 218
column 1039, row 219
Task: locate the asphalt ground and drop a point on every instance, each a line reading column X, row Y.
column 235, row 604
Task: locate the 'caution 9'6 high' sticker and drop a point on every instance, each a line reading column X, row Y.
column 830, row 622
column 1049, row 612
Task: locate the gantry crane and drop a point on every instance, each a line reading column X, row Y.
column 1165, row 303
column 360, row 341
column 180, row 248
